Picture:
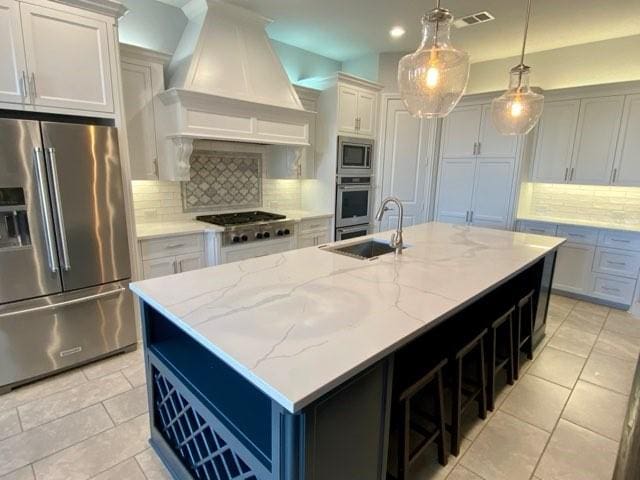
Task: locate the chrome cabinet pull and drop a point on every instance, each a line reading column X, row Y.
column 23, row 85
column 34, row 91
column 175, row 245
column 466, row 217
column 175, row 267
column 571, row 176
column 566, row 173
column 66, row 303
column 479, row 152
column 615, row 174
column 619, row 264
column 180, row 268
column 471, row 217
column 44, row 206
column 66, row 263
column 475, row 148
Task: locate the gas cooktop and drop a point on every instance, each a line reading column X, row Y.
column 240, row 218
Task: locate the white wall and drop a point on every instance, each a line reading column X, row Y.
column 366, row 66
column 151, row 24
column 609, row 61
column 301, row 64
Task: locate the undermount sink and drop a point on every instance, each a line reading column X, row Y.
column 367, row 249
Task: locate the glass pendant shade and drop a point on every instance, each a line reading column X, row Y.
column 433, row 78
column 518, row 109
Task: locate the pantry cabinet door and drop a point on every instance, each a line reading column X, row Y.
column 595, row 147
column 627, row 169
column 405, row 163
column 492, row 143
column 13, row 68
column 68, row 59
column 460, row 132
column 137, row 90
column 455, row 190
column 555, row 136
column 492, row 192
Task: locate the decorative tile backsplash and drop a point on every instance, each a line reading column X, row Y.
column 617, row 205
column 221, row 179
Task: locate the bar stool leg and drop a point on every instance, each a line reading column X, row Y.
column 491, row 387
column 512, row 362
column 404, row 433
column 456, row 407
column 483, row 383
column 531, row 323
column 516, row 346
column 442, row 452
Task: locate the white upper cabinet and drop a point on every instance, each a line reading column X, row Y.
column 492, row 143
column 492, row 192
column 356, row 111
column 595, row 146
column 554, row 141
column 627, row 167
column 67, row 59
column 460, row 132
column 455, row 190
column 13, row 68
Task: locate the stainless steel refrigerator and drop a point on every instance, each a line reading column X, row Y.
column 64, row 255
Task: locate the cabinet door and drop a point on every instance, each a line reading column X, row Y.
column 347, row 109
column 455, row 190
column 159, row 267
column 67, row 59
column 492, row 192
column 13, row 68
column 460, row 132
column 573, row 268
column 595, row 146
column 306, row 240
column 405, row 163
column 190, row 261
column 322, row 238
column 137, row 90
column 492, row 143
column 628, row 155
column 554, row 141
column 366, row 113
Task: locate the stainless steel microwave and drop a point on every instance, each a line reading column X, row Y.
column 355, row 156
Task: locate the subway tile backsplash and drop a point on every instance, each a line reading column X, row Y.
column 615, row 205
column 161, row 201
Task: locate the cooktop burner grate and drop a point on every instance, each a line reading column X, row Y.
column 240, row 218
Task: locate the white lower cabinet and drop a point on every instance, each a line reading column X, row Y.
column 254, row 250
column 169, row 255
column 573, row 268
column 314, row 232
column 596, row 263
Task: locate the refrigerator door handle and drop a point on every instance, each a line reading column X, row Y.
column 66, row 264
column 66, row 303
column 44, row 205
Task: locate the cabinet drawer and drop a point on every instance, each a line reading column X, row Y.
column 586, row 236
column 538, row 228
column 315, row 225
column 163, row 247
column 617, row 262
column 614, row 289
column 623, row 240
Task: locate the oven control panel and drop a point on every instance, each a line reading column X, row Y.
column 257, row 232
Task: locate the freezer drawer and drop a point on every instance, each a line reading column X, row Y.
column 43, row 335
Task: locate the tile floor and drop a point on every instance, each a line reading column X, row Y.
column 562, row 420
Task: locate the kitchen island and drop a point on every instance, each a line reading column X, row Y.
column 281, row 366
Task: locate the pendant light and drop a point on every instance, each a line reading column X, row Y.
column 518, row 109
column 433, row 78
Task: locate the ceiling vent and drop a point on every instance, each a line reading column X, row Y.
column 475, row 19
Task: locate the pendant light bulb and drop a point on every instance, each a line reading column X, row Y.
column 433, row 78
column 518, row 110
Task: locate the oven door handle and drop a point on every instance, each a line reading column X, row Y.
column 355, row 187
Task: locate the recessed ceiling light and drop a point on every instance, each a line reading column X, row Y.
column 397, row 31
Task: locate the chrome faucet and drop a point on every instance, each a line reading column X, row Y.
column 396, row 237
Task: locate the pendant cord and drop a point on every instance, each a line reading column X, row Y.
column 526, row 31
column 437, row 24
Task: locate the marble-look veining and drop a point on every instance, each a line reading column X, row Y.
column 298, row 323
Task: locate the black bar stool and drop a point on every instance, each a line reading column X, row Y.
column 471, row 390
column 524, row 330
column 411, row 418
column 500, row 358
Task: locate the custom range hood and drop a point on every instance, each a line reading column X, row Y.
column 227, row 83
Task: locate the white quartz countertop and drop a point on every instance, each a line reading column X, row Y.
column 145, row 231
column 299, row 323
column 581, row 223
